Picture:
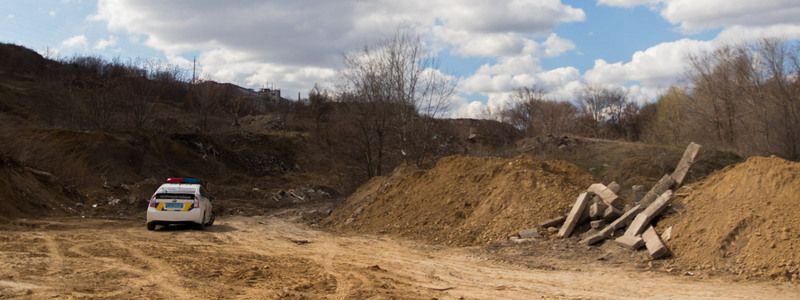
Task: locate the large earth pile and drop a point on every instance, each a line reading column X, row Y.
column 463, row 200
column 743, row 219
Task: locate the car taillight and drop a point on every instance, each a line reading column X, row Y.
column 153, row 203
column 196, row 204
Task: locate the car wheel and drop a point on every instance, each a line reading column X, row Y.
column 151, row 226
column 211, row 221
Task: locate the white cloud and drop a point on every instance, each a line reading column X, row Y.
column 102, row 44
column 75, row 42
column 649, row 72
column 275, row 41
column 693, row 15
column 51, row 13
column 10, row 16
column 554, row 45
column 627, row 3
column 657, row 66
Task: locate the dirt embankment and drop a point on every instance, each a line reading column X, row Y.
column 743, row 219
column 627, row 163
column 463, row 200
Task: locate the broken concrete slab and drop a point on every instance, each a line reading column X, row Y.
column 597, row 224
column 608, row 196
column 597, row 210
column 614, row 187
column 529, row 234
column 554, row 222
column 653, row 243
column 685, row 163
column 652, row 211
column 611, row 213
column 637, row 192
column 659, row 188
column 667, row 234
column 630, row 241
column 620, row 222
column 578, row 209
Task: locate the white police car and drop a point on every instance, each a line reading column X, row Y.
column 180, row 201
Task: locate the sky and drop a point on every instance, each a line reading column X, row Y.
column 489, row 48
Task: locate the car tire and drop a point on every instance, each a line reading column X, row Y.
column 151, row 226
column 211, row 220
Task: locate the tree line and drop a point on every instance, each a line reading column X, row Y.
column 744, row 98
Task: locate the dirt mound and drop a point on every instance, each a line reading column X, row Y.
column 743, row 219
column 26, row 191
column 464, row 200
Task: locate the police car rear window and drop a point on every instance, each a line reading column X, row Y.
column 175, row 196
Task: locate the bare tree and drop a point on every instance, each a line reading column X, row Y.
column 534, row 114
column 398, row 91
column 601, row 105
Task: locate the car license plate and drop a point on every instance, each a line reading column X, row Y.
column 174, row 205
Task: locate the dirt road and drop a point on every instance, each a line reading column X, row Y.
column 269, row 257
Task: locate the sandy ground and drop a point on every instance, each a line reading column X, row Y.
column 274, row 258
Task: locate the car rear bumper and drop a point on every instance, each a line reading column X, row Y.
column 168, row 217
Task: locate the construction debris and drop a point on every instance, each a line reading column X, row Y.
column 597, row 224
column 574, row 215
column 686, row 161
column 529, row 234
column 630, row 242
column 614, row 187
column 597, row 210
column 644, row 218
column 620, row 222
column 608, row 196
column 554, row 222
column 637, row 192
column 638, row 218
column 653, row 243
column 659, row 188
column 667, row 234
column 611, row 213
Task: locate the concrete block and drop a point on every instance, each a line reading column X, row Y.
column 667, row 234
column 614, row 187
column 608, row 196
column 529, row 234
column 597, row 224
column 637, row 192
column 630, row 242
column 578, row 209
column 554, row 222
column 685, row 163
column 659, row 188
column 644, row 218
column 620, row 222
column 611, row 213
column 597, row 210
column 654, row 245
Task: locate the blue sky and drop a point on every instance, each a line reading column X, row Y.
column 488, row 47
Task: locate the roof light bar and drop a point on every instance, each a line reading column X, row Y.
column 184, row 180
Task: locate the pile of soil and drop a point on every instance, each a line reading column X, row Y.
column 463, row 200
column 26, row 191
column 743, row 219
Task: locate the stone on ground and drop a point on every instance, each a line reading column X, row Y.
column 574, row 215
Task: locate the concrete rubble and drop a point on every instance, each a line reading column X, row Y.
column 602, row 208
column 655, row 247
column 574, row 215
